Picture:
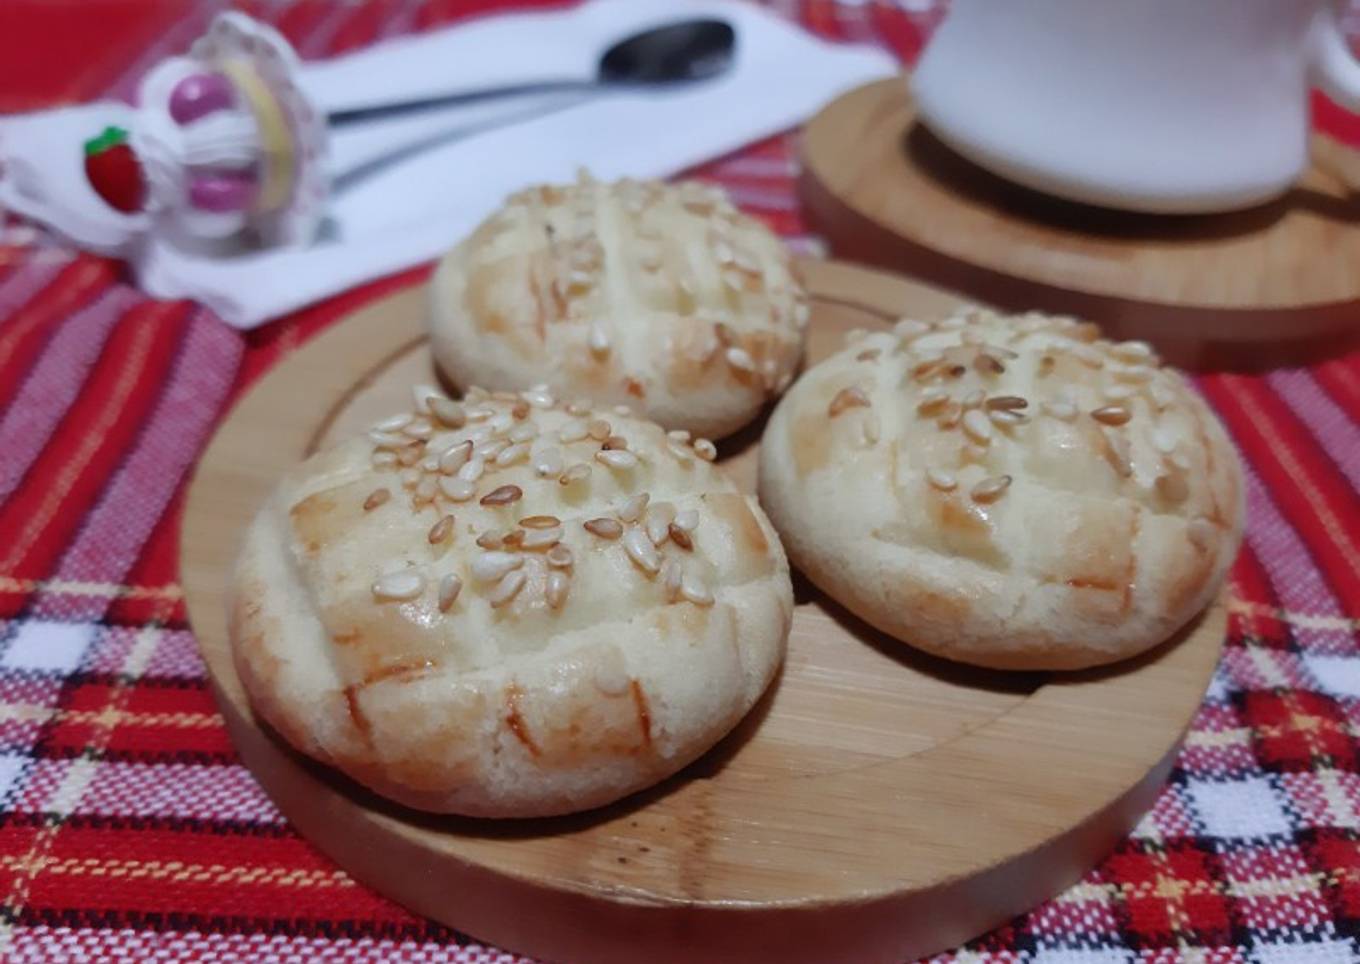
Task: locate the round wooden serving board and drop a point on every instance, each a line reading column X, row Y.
column 877, row 805
column 1245, row 289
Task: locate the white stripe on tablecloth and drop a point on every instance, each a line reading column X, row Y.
column 52, row 384
column 1294, row 575
column 132, row 503
column 1334, row 430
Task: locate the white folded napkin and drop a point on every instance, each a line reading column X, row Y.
column 388, row 214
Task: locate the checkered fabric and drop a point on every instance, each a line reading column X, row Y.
column 128, row 828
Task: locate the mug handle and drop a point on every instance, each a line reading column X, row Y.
column 1334, row 68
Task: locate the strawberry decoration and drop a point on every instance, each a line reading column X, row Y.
column 113, row 170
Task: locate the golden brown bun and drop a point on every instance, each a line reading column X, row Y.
column 573, row 665
column 662, row 297
column 1010, row 492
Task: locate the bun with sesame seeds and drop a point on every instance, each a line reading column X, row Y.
column 662, row 297
column 508, row 606
column 1013, row 492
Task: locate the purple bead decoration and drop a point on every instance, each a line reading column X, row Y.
column 222, row 192
column 200, row 94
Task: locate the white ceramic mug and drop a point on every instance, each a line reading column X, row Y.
column 1151, row 105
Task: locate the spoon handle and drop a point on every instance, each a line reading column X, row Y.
column 359, row 115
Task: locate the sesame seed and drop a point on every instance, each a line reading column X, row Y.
column 950, row 415
column 1007, row 402
column 577, row 473
column 604, row 528
column 1201, row 531
column 1112, row 415
column 393, row 423
column 411, row 454
column 487, row 451
column 426, row 489
column 449, row 588
column 534, row 539
column 705, row 449
column 672, row 574
column 974, row 399
column 1173, row 487
column 1087, row 355
column 559, row 557
column 615, row 442
column 376, row 498
column 680, row 536
column 641, row 550
column 694, row 590
column 579, row 406
column 419, row 428
column 1163, row 440
column 430, row 464
column 1007, row 417
column 1134, row 374
column 448, row 412
column 384, row 459
column 539, row 397
column 399, row 586
column 491, row 539
column 503, row 495
column 409, row 478
column 943, row 481
column 599, row 430
column 687, row 519
column 422, row 396
column 507, row 589
column 555, row 589
column 869, row 354
column 617, row 459
column 740, row 359
column 440, row 531
column 504, row 396
column 977, row 426
column 479, row 414
column 678, row 435
column 540, row 521
column 489, row 566
column 932, row 399
column 871, row 429
column 472, row 470
column 633, row 507
column 988, row 364
column 910, row 328
column 846, row 398
column 1132, row 351
column 623, row 410
column 573, row 431
column 598, row 340
column 680, row 452
column 660, row 515
column 927, row 370
column 520, row 410
column 991, row 488
column 513, row 454
column 523, row 432
column 513, row 538
column 1119, row 393
column 1117, row 453
column 457, row 490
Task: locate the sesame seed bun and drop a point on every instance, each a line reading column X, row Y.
column 663, row 297
column 1013, row 492
column 508, row 607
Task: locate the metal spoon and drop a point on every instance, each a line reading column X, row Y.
column 681, row 52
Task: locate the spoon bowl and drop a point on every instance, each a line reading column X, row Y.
column 688, row 50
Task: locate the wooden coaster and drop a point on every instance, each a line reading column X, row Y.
column 877, row 805
column 1244, row 290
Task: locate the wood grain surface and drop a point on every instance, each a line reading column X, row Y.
column 877, row 805
column 1245, row 289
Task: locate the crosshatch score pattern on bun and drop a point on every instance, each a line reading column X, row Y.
column 663, row 297
column 1014, row 492
column 509, row 605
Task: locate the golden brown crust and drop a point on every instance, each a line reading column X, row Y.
column 1013, row 492
column 561, row 668
column 664, row 297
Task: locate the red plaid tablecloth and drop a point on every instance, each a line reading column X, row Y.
column 129, row 830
